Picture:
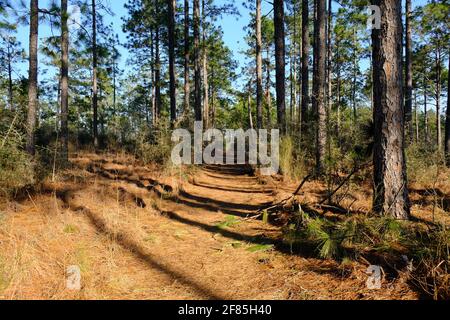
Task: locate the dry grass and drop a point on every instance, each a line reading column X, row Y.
column 134, row 239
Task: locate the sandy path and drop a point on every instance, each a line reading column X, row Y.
column 137, row 233
column 218, row 253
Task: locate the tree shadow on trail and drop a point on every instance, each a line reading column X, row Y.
column 237, row 190
column 135, row 249
column 223, row 204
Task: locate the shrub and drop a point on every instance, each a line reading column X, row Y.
column 16, row 167
column 155, row 146
column 427, row 248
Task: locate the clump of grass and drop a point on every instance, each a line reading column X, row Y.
column 260, row 248
column 4, row 278
column 229, row 222
column 71, row 229
column 292, row 162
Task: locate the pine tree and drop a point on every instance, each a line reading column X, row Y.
column 280, row 63
column 33, row 77
column 64, row 81
column 319, row 82
column 390, row 180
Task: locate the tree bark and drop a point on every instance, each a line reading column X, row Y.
column 64, row 82
column 355, row 75
column 213, row 101
column 416, row 117
column 94, row 74
column 187, row 90
column 153, row 76
column 290, row 122
column 280, row 63
column 425, row 107
column 249, row 109
column 408, row 69
column 33, row 77
column 268, row 95
column 329, row 58
column 319, row 84
column 197, row 71
column 10, row 83
column 438, row 101
column 114, row 79
column 157, row 72
column 205, row 69
column 305, row 65
column 390, row 179
column 172, row 75
column 447, row 122
column 338, row 89
column 259, row 85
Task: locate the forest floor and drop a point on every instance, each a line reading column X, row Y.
column 137, row 232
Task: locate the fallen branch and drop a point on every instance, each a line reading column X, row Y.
column 355, row 170
column 283, row 202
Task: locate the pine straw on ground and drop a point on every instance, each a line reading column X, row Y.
column 141, row 233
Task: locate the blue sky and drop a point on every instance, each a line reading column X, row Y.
column 233, row 27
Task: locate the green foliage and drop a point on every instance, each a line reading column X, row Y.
column 260, row 248
column 229, row 222
column 427, row 248
column 431, row 252
column 423, row 163
column 16, row 167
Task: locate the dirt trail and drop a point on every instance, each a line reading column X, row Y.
column 158, row 237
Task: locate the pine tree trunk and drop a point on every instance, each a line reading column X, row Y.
column 249, row 109
column 305, row 65
column 157, row 74
column 259, row 88
column 187, row 91
column 409, row 81
column 329, row 62
column 280, row 64
column 416, row 117
column 94, row 75
column 114, row 81
column 205, row 69
column 268, row 95
column 213, row 101
column 447, row 122
column 390, row 179
column 298, row 75
column 153, row 76
column 197, row 71
column 355, row 74
column 172, row 74
column 425, row 107
column 33, row 77
column 319, row 84
column 64, row 81
column 290, row 123
column 438, row 101
column 338, row 89
column 10, row 83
